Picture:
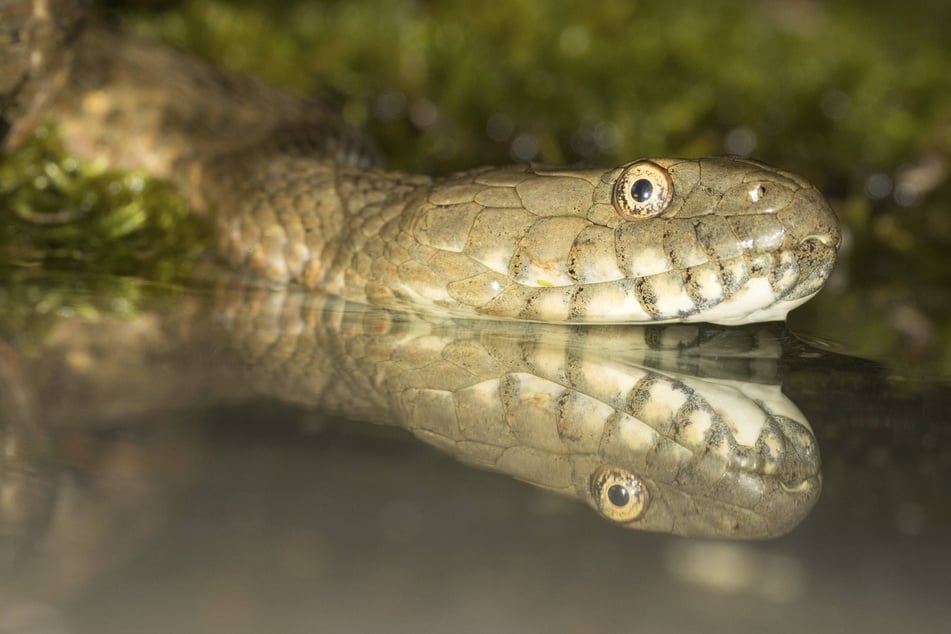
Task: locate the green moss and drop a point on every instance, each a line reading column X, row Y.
column 64, row 214
column 817, row 85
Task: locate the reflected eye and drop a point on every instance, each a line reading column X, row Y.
column 643, row 190
column 620, row 495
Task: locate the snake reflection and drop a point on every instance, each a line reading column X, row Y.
column 672, row 429
column 597, row 414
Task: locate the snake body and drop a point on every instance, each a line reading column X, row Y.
column 300, row 197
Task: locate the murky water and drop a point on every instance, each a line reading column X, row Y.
column 182, row 466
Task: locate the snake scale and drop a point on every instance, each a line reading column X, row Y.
column 300, row 198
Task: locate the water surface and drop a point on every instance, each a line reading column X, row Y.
column 142, row 492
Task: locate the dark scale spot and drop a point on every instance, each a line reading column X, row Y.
column 618, row 495
column 642, row 190
column 644, row 290
column 695, row 290
column 563, row 422
column 726, row 278
column 578, row 306
column 683, row 418
column 640, row 394
column 573, row 265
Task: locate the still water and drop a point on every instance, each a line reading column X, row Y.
column 201, row 462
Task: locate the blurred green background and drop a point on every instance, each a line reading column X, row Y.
column 854, row 95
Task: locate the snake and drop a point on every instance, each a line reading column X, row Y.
column 301, row 202
column 299, row 198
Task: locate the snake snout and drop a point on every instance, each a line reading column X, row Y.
column 810, row 218
column 813, row 238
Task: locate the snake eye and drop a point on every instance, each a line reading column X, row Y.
column 643, row 190
column 620, row 495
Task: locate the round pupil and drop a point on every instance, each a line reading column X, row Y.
column 618, row 495
column 641, row 190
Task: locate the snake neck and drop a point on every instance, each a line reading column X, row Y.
column 313, row 223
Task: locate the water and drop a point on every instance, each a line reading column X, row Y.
column 145, row 488
column 163, row 464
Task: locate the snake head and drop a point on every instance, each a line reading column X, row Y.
column 722, row 240
column 749, row 241
column 756, row 474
